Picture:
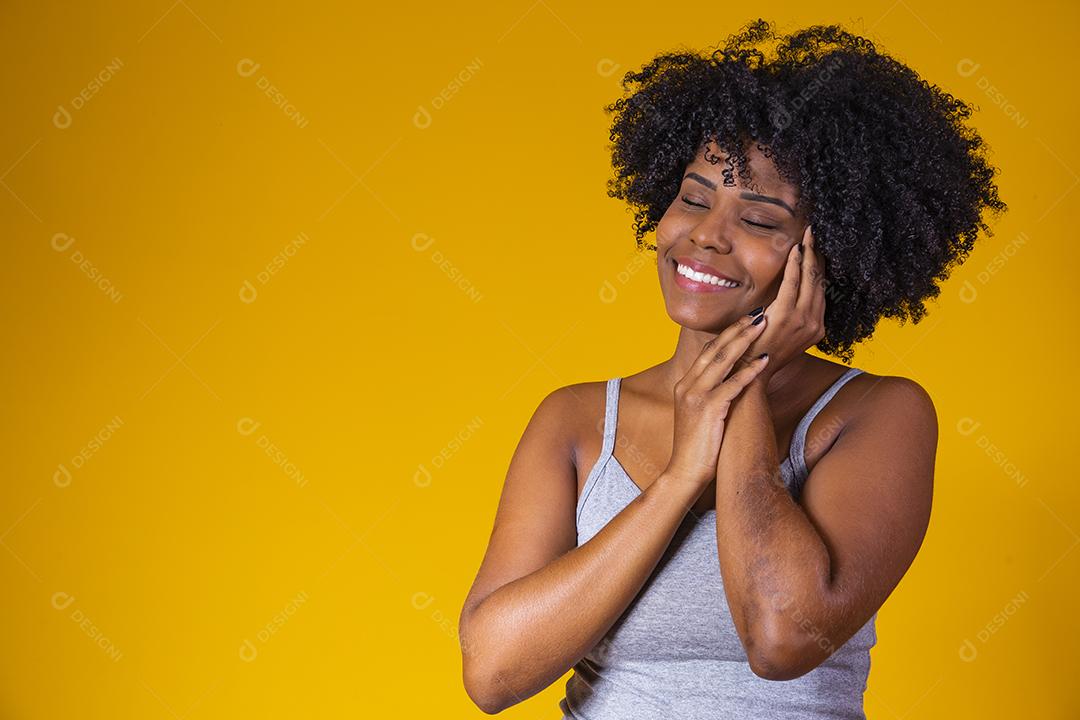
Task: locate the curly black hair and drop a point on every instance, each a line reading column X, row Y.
column 889, row 177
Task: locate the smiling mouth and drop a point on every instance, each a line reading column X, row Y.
column 693, row 280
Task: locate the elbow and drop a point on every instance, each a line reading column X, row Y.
column 484, row 683
column 780, row 656
column 487, row 702
column 775, row 666
column 485, row 692
column 496, row 670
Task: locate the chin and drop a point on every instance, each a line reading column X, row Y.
column 694, row 319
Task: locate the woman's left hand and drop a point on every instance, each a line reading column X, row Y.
column 795, row 320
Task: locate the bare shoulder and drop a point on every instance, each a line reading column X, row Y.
column 893, row 401
column 871, row 409
column 576, row 413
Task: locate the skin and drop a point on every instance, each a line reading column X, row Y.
column 703, row 431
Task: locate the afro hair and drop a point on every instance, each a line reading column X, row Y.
column 892, row 181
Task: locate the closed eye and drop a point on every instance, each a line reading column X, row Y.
column 748, row 222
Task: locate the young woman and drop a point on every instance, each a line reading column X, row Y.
column 713, row 536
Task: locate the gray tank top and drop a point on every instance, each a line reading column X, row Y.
column 674, row 652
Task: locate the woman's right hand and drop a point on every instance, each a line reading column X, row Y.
column 703, row 397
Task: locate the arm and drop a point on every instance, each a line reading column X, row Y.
column 802, row 578
column 539, row 603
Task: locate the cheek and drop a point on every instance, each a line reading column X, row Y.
column 765, row 266
column 669, row 227
column 664, row 232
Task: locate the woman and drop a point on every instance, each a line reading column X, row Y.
column 738, row 513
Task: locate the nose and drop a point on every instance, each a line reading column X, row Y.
column 710, row 233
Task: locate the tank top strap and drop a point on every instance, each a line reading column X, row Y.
column 798, row 440
column 611, row 417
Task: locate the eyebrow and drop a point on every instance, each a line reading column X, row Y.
column 745, row 195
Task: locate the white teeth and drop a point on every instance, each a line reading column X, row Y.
column 703, row 277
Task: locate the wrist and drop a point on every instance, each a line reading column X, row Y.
column 682, row 487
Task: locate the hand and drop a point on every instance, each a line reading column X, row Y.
column 703, row 397
column 797, row 315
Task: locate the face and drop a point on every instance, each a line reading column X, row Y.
column 739, row 235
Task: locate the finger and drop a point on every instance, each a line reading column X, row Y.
column 720, row 360
column 811, row 288
column 707, row 357
column 815, row 309
column 737, row 382
column 788, row 293
column 708, row 350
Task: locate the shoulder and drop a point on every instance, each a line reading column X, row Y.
column 569, row 401
column 893, row 403
column 883, row 393
column 573, row 412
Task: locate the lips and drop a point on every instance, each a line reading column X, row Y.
column 703, row 268
column 698, row 284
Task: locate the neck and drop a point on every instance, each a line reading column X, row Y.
column 688, row 349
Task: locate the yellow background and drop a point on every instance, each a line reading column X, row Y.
column 268, row 355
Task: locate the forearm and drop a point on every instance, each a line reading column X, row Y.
column 528, row 633
column 774, row 563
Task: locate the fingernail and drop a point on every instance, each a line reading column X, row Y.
column 756, row 310
column 758, row 319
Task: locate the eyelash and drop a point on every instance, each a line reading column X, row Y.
column 754, row 224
